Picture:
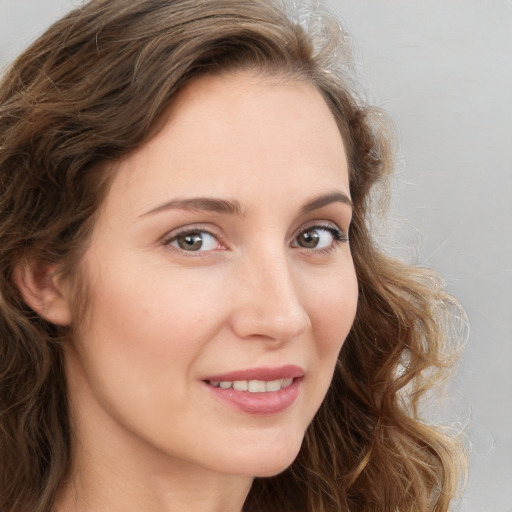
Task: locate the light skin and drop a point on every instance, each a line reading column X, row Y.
column 221, row 246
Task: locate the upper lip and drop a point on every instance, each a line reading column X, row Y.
column 289, row 371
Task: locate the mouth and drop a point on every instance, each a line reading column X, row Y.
column 259, row 391
column 253, row 386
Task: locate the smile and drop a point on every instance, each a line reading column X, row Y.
column 258, row 391
column 253, row 386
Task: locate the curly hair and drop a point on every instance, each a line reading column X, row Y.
column 92, row 89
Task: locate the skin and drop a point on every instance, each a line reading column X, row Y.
column 149, row 434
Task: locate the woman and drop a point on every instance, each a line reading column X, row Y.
column 186, row 323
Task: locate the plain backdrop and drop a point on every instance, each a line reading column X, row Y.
column 443, row 70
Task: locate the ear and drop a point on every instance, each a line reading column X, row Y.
column 42, row 290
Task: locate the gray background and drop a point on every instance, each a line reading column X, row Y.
column 443, row 70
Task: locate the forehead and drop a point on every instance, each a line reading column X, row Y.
column 238, row 134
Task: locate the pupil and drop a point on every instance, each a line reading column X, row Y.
column 191, row 242
column 309, row 239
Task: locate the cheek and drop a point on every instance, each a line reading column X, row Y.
column 333, row 305
column 146, row 319
column 136, row 350
column 147, row 327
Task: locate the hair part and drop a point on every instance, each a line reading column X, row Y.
column 94, row 88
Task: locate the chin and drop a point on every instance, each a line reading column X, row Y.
column 270, row 470
column 267, row 461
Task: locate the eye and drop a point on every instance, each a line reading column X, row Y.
column 319, row 237
column 194, row 241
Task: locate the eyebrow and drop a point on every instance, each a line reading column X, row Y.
column 233, row 207
column 203, row 204
column 324, row 200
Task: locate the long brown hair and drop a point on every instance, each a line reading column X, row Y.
column 91, row 90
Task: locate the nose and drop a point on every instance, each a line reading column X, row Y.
column 266, row 303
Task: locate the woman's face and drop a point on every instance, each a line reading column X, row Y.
column 220, row 282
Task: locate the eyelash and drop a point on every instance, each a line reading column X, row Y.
column 338, row 237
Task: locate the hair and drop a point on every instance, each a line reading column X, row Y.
column 91, row 90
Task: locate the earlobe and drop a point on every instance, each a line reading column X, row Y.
column 41, row 289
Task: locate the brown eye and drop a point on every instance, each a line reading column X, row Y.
column 194, row 241
column 191, row 242
column 309, row 239
column 319, row 237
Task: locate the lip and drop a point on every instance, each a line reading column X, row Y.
column 282, row 372
column 262, row 404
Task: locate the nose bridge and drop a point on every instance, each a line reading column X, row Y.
column 270, row 304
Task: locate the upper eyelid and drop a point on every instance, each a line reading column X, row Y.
column 335, row 230
column 321, row 224
column 167, row 240
column 199, row 227
column 190, row 228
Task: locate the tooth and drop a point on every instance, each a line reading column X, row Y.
column 253, row 386
column 240, row 385
column 257, row 386
column 286, row 382
column 274, row 385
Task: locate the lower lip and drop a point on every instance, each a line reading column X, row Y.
column 270, row 402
